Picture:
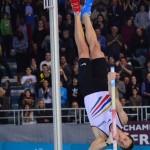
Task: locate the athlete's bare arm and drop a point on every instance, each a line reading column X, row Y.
column 100, row 143
column 122, row 114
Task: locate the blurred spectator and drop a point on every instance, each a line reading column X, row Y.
column 38, row 36
column 124, row 69
column 29, row 14
column 1, row 75
column 101, row 24
column 106, row 58
column 34, row 67
column 101, row 39
column 73, row 114
column 146, row 90
column 111, row 63
column 47, row 61
column 101, row 6
column 125, row 103
column 63, row 77
column 127, row 33
column 67, row 46
column 46, row 44
column 66, row 67
column 69, row 24
column 128, row 87
column 135, row 84
column 21, row 8
column 145, row 71
column 95, row 13
column 42, row 116
column 60, row 25
column 115, row 13
column 34, row 53
column 75, row 70
column 27, row 33
column 5, row 104
column 66, row 4
column 142, row 18
column 29, row 81
column 76, row 61
column 46, row 22
column 27, row 97
column 114, row 43
column 39, row 11
column 7, row 89
column 130, row 8
column 20, row 45
column 140, row 46
column 45, row 94
column 120, row 86
column 27, row 116
column 11, row 8
column 6, row 31
column 74, row 93
column 118, row 60
column 64, row 96
column 5, row 99
column 4, row 63
column 135, row 100
column 45, row 75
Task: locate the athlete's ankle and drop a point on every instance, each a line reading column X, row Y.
column 86, row 10
column 76, row 6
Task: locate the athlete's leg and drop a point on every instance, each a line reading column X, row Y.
column 83, row 50
column 85, row 66
column 96, row 55
column 95, row 49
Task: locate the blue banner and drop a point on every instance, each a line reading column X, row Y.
column 47, row 146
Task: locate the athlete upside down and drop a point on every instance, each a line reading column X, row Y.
column 94, row 83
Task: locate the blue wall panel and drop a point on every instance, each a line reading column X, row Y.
column 47, row 146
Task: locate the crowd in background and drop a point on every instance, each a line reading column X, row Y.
column 123, row 31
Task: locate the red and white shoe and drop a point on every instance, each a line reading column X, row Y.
column 76, row 6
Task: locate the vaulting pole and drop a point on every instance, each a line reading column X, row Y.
column 114, row 113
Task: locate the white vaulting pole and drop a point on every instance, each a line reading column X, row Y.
column 55, row 69
column 114, row 117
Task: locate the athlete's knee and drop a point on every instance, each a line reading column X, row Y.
column 83, row 53
column 94, row 45
column 95, row 48
column 81, row 43
column 83, row 49
column 95, row 51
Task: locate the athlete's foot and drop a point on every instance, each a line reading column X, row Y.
column 76, row 6
column 86, row 10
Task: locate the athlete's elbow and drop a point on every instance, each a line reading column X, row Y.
column 125, row 119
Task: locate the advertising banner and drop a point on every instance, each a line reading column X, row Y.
column 140, row 131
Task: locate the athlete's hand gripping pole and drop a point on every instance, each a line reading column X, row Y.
column 113, row 110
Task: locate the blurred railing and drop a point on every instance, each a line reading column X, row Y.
column 78, row 115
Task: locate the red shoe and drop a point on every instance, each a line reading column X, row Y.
column 76, row 6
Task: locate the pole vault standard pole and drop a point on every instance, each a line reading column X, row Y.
column 52, row 5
